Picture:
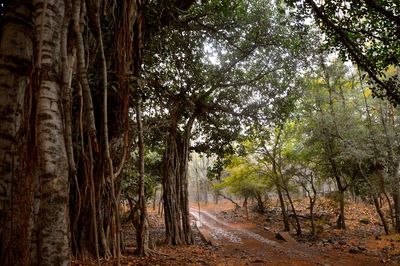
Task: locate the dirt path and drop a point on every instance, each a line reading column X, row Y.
column 245, row 244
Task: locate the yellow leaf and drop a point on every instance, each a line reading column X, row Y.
column 367, row 92
column 391, row 70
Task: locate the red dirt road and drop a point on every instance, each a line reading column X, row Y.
column 247, row 244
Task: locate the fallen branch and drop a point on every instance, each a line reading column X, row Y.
column 237, row 206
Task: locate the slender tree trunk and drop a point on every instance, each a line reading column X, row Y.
column 381, row 214
column 155, row 199
column 396, row 205
column 260, row 203
column 375, row 197
column 340, row 223
column 283, row 209
column 82, row 73
column 313, row 199
column 312, row 203
column 141, row 233
column 245, row 206
column 393, row 166
column 298, row 226
column 184, row 181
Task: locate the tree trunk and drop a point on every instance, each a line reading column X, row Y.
column 52, row 157
column 298, row 226
column 175, row 184
column 340, row 222
column 396, row 205
column 141, row 233
column 245, row 206
column 172, row 212
column 312, row 203
column 283, row 209
column 260, row 203
column 381, row 214
column 16, row 183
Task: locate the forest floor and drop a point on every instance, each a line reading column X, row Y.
column 226, row 236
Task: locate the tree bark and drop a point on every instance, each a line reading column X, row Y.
column 283, row 209
column 175, row 183
column 141, row 233
column 16, row 184
column 52, row 156
column 298, row 226
column 381, row 214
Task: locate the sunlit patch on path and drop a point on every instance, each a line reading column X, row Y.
column 220, row 229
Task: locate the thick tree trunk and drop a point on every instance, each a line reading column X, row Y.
column 52, row 158
column 172, row 211
column 16, row 199
column 175, row 184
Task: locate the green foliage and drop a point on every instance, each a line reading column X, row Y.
column 130, row 179
column 367, row 32
column 244, row 178
column 232, row 64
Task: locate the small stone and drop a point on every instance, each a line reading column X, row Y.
column 342, row 242
column 365, row 221
column 327, row 241
column 326, row 227
column 354, row 250
column 361, row 248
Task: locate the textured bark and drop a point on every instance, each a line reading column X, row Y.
column 16, row 54
column 172, row 212
column 115, row 231
column 175, row 184
column 82, row 74
column 51, row 153
column 141, row 229
column 67, row 63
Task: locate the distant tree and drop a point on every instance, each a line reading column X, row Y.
column 244, row 179
column 343, row 131
column 218, row 74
